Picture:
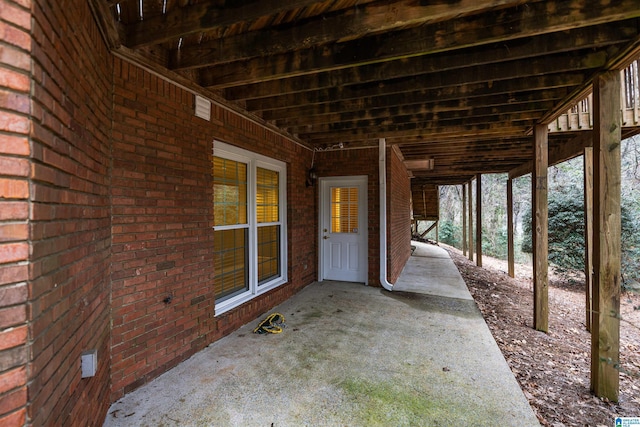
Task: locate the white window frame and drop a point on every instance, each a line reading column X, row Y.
column 253, row 161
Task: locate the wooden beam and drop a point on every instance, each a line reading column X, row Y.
column 444, row 119
column 588, row 233
column 479, row 220
column 414, row 103
column 464, row 220
column 620, row 60
column 202, row 17
column 347, row 24
column 425, row 131
column 429, row 229
column 470, row 187
column 332, row 83
column 558, row 154
column 540, row 230
column 264, row 69
column 468, row 31
column 510, row 248
column 431, row 112
column 110, row 29
column 418, row 88
column 605, row 335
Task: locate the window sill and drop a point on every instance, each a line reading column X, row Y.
column 227, row 305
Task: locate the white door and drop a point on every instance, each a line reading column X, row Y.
column 343, row 229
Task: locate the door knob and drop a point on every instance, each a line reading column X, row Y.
column 325, row 237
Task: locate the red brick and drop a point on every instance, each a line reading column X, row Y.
column 12, row 144
column 17, row 102
column 13, row 400
column 12, row 252
column 13, row 337
column 17, row 81
column 16, row 15
column 14, row 419
column 13, row 232
column 14, row 167
column 14, row 189
column 13, row 210
column 12, row 379
column 14, row 122
column 15, row 36
column 12, row 295
column 12, row 316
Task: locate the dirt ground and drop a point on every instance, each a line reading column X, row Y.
column 553, row 369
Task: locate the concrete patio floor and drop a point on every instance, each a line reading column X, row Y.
column 350, row 355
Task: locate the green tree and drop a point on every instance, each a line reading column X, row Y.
column 449, row 233
column 566, row 229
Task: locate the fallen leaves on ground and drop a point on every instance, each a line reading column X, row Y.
column 554, row 368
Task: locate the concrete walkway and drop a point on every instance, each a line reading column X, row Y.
column 350, row 355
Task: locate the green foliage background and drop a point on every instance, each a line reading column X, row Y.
column 566, row 214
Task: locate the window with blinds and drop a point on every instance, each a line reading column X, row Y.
column 249, row 199
column 267, row 213
column 230, row 210
column 344, row 209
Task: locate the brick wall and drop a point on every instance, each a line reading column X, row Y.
column 15, row 66
column 162, row 225
column 399, row 216
column 358, row 162
column 70, row 215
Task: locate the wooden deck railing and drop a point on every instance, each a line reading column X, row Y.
column 579, row 117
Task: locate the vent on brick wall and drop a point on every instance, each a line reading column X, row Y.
column 203, row 108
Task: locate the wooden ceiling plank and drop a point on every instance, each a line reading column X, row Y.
column 200, row 17
column 533, row 20
column 422, row 112
column 419, row 88
column 419, row 74
column 347, row 25
column 401, row 122
column 422, row 130
column 374, row 107
column 387, row 101
column 583, row 38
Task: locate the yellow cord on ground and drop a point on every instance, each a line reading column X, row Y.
column 271, row 324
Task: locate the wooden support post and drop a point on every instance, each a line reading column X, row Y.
column 470, row 221
column 464, row 220
column 605, row 323
column 429, row 229
column 437, row 232
column 479, row 220
column 588, row 233
column 510, row 250
column 540, row 229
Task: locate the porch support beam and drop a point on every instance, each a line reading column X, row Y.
column 510, row 249
column 605, row 324
column 588, row 234
column 470, row 187
column 479, row 220
column 540, row 229
column 464, row 220
column 429, row 229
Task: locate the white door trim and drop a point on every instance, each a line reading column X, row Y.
column 363, row 218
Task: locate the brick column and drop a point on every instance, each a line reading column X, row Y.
column 15, row 81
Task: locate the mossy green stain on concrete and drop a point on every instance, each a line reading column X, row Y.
column 387, row 403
